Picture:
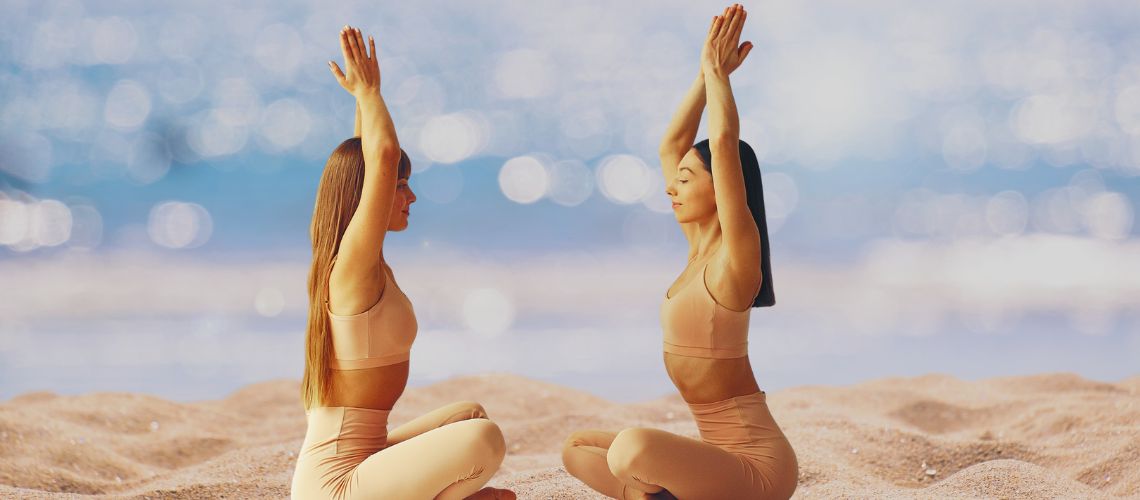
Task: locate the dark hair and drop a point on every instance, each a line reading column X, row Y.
column 754, row 190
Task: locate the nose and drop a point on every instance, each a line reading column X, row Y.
column 670, row 188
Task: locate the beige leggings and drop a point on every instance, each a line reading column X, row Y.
column 742, row 454
column 449, row 453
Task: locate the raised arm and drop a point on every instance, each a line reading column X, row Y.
column 678, row 139
column 722, row 54
column 356, row 122
column 359, row 255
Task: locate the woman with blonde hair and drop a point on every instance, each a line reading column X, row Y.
column 361, row 328
column 718, row 199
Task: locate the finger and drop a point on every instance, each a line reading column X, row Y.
column 360, row 45
column 740, row 22
column 336, row 72
column 733, row 23
column 372, row 46
column 718, row 25
column 723, row 20
column 728, row 14
column 353, row 50
column 745, row 48
column 344, row 49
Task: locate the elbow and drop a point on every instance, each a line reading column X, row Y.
column 671, row 145
column 724, row 141
column 389, row 154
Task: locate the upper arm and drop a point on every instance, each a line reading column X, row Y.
column 670, row 159
column 358, row 258
column 739, row 234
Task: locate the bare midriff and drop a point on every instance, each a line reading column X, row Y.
column 376, row 388
column 706, row 380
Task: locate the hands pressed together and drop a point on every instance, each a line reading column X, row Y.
column 723, row 52
column 362, row 63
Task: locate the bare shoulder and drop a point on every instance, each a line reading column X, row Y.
column 354, row 287
column 732, row 284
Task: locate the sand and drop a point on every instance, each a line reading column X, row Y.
column 1042, row 436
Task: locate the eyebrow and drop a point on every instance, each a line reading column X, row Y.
column 686, row 168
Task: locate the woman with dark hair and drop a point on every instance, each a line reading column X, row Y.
column 362, row 326
column 719, row 202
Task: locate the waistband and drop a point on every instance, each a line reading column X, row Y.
column 345, row 430
column 732, row 352
column 758, row 397
column 739, row 421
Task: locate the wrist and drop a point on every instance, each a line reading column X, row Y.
column 366, row 96
column 714, row 73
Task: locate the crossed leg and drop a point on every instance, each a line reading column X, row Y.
column 483, row 435
column 648, row 463
column 439, row 417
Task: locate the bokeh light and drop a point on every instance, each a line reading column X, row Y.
column 15, row 221
column 523, row 179
column 50, row 223
column 571, row 183
column 453, row 137
column 285, row 123
column 175, row 224
column 114, row 40
column 488, row 312
column 1007, row 213
column 1109, row 216
column 269, row 302
column 86, row 227
column 128, row 105
column 623, row 179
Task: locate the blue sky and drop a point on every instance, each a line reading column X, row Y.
column 951, row 188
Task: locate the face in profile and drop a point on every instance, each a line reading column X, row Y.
column 692, row 190
column 401, row 203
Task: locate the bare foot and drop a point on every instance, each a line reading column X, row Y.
column 490, row 493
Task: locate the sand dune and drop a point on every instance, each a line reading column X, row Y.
column 1043, row 436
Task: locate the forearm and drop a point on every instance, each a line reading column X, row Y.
column 378, row 133
column 724, row 122
column 356, row 122
column 686, row 120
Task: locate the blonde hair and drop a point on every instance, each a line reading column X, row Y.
column 338, row 195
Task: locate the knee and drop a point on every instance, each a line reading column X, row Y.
column 486, row 435
column 575, row 440
column 629, row 449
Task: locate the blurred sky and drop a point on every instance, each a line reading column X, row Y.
column 951, row 187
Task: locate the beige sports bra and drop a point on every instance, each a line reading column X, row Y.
column 380, row 336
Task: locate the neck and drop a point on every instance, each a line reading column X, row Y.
column 708, row 237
